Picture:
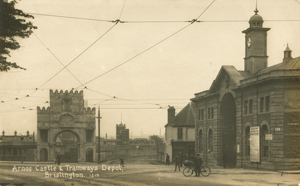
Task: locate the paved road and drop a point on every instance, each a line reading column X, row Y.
column 137, row 171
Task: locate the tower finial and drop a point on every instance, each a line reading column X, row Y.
column 121, row 117
column 256, row 8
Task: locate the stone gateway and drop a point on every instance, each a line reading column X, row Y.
column 66, row 129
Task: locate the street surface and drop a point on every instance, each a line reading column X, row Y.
column 137, row 171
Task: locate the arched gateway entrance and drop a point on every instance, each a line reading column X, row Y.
column 228, row 125
column 66, row 144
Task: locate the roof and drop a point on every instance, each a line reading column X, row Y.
column 235, row 77
column 289, row 65
column 185, row 118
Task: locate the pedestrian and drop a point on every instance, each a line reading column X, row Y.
column 177, row 163
column 58, row 158
column 122, row 162
column 180, row 158
column 224, row 159
column 198, row 164
column 167, row 159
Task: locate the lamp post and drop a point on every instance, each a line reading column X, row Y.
column 22, row 138
column 99, row 159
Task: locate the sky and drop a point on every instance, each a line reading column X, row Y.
column 134, row 69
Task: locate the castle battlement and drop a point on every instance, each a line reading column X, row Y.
column 90, row 110
column 39, row 109
column 61, row 92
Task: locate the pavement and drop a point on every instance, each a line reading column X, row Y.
column 143, row 171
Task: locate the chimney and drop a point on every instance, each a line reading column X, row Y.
column 171, row 115
column 287, row 54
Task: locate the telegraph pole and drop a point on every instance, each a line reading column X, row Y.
column 98, row 134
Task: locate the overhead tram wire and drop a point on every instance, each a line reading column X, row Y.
column 136, row 55
column 70, row 17
column 205, row 10
column 116, row 22
column 122, row 9
column 191, row 22
column 57, row 58
column 149, row 21
column 114, row 97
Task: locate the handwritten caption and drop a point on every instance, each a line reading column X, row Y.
column 67, row 171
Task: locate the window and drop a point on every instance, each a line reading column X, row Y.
column 44, row 135
column 200, row 146
column 261, row 104
column 202, row 114
column 247, row 141
column 267, row 103
column 208, row 113
column 210, row 140
column 199, row 114
column 264, row 142
column 89, row 136
column 250, row 106
column 246, row 107
column 179, row 133
column 212, row 112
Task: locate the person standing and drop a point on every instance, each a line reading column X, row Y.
column 224, row 159
column 180, row 158
column 122, row 162
column 177, row 163
column 167, row 159
column 58, row 158
column 198, row 164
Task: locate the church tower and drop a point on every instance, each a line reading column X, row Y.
column 256, row 45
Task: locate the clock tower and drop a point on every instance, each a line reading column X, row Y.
column 256, row 45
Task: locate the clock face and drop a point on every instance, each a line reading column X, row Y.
column 249, row 41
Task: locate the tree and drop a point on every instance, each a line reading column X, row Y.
column 12, row 25
column 159, row 143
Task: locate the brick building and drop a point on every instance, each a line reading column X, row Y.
column 251, row 118
column 67, row 128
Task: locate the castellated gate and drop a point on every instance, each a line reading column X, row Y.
column 66, row 128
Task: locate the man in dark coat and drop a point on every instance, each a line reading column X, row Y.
column 180, row 158
column 177, row 163
column 167, row 159
column 122, row 162
column 58, row 158
column 224, row 159
column 198, row 164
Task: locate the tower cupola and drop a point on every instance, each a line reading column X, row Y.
column 256, row 20
column 287, row 54
column 256, row 57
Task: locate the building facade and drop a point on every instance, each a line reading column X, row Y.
column 250, row 118
column 180, row 132
column 66, row 128
column 122, row 134
column 17, row 147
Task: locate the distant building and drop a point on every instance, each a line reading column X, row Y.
column 66, row 128
column 251, row 118
column 17, row 147
column 180, row 132
column 122, row 134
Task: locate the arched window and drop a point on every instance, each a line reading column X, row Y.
column 210, row 140
column 200, row 143
column 264, row 142
column 247, row 141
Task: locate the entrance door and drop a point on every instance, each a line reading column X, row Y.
column 44, row 155
column 67, row 146
column 228, row 122
column 89, row 155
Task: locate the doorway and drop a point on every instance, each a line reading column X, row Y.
column 228, row 122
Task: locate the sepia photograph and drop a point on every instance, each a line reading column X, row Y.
column 149, row 92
